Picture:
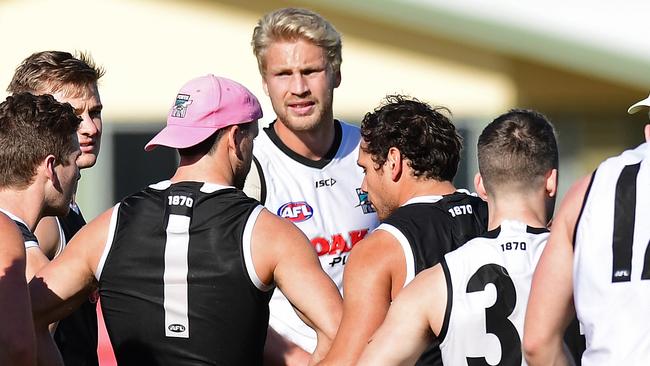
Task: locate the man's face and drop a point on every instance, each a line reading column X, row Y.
column 300, row 83
column 375, row 183
column 246, row 149
column 88, row 106
column 65, row 184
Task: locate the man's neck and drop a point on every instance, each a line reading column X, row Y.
column 204, row 169
column 313, row 144
column 527, row 208
column 425, row 187
column 26, row 204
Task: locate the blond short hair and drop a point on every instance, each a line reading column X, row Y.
column 50, row 72
column 290, row 24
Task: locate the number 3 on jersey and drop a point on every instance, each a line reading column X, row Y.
column 496, row 316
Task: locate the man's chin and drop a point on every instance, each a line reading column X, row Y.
column 86, row 160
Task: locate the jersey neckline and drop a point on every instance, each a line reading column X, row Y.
column 513, row 225
column 318, row 164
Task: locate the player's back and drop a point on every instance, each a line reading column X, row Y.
column 612, row 262
column 177, row 285
column 488, row 282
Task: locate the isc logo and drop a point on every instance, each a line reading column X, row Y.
column 296, row 211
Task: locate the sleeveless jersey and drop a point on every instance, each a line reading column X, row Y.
column 76, row 335
column 324, row 199
column 28, row 237
column 488, row 282
column 611, row 272
column 176, row 278
column 427, row 228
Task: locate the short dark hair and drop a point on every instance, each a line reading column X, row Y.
column 49, row 72
column 517, row 148
column 423, row 135
column 31, row 128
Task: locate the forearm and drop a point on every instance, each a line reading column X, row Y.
column 279, row 351
column 322, row 347
column 550, row 353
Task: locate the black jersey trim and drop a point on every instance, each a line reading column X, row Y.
column 450, row 299
column 260, row 174
column 537, row 230
column 582, row 209
column 492, row 234
column 318, row 164
column 28, row 236
column 624, row 217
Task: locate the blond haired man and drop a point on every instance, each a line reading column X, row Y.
column 305, row 161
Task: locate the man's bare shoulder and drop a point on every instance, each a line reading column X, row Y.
column 376, row 263
column 378, row 249
column 276, row 227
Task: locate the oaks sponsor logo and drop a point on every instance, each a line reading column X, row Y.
column 338, row 245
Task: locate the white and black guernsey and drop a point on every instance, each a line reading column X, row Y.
column 177, row 281
column 488, row 282
column 611, row 262
column 323, row 199
column 429, row 227
column 76, row 335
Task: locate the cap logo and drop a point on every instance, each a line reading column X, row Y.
column 180, row 106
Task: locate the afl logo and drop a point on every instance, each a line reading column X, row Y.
column 296, row 211
column 176, row 328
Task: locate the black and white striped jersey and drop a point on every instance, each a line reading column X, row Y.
column 427, row 228
column 611, row 269
column 488, row 282
column 177, row 281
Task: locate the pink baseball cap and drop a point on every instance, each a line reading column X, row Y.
column 203, row 106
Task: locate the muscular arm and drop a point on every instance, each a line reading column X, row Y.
column 282, row 254
column 61, row 286
column 17, row 342
column 373, row 275
column 35, row 260
column 550, row 305
column 418, row 310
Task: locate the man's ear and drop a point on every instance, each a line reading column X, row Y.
column 48, row 165
column 646, row 132
column 337, row 78
column 480, row 188
column 394, row 161
column 235, row 136
column 551, row 183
